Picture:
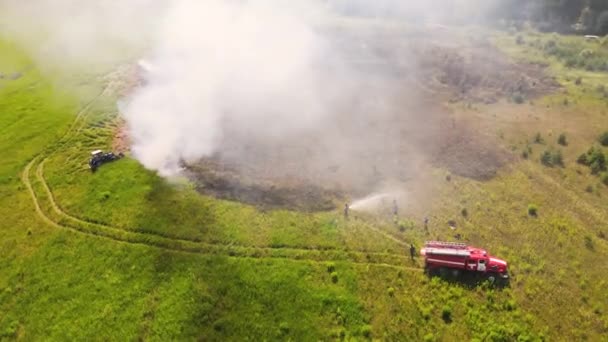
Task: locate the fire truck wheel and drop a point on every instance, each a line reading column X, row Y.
column 491, row 279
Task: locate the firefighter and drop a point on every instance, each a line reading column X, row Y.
column 395, row 208
column 426, row 222
column 412, row 251
column 346, row 209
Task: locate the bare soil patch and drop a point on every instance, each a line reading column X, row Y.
column 388, row 134
column 121, row 142
column 479, row 72
column 214, row 179
column 467, row 153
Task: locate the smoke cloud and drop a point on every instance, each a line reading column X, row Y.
column 74, row 35
column 249, row 77
column 217, row 60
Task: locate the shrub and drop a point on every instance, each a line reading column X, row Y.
column 589, row 242
column 510, row 305
column 391, row 291
column 518, row 98
column 331, row 267
column 519, row 40
column 429, row 337
column 464, row 212
column 570, row 62
column 589, row 188
column 586, row 53
column 550, row 44
column 426, row 313
column 532, row 210
column 538, row 138
column 604, row 178
column 334, row 277
column 339, row 333
column 10, row 330
column 405, row 224
column 557, row 159
column 524, row 154
column 582, row 159
column 597, row 161
column 562, row 139
column 446, row 314
column 366, row 331
column 219, row 325
column 284, row 328
column 546, row 158
column 578, row 81
column 105, row 195
column 603, row 139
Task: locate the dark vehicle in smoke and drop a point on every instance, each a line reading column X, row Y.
column 98, row 157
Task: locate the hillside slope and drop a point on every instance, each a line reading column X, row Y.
column 124, row 254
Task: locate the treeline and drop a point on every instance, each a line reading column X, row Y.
column 566, row 16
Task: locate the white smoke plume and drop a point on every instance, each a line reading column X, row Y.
column 253, row 62
column 76, row 35
column 266, row 67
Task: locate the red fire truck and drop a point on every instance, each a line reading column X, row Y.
column 441, row 256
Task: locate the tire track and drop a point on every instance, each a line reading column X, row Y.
column 388, row 235
column 60, row 212
column 122, row 235
column 28, row 185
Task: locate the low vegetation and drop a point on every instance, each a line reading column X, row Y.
column 562, row 139
column 595, row 159
column 603, row 139
column 532, row 210
column 123, row 255
column 552, row 158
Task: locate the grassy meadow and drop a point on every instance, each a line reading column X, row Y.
column 123, row 254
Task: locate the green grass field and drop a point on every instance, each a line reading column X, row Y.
column 122, row 254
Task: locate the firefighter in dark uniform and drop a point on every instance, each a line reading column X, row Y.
column 346, row 209
column 412, row 251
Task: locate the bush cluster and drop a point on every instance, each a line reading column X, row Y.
column 552, row 158
column 603, row 138
column 576, row 55
column 595, row 159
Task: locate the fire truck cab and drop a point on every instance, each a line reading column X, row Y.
column 458, row 256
